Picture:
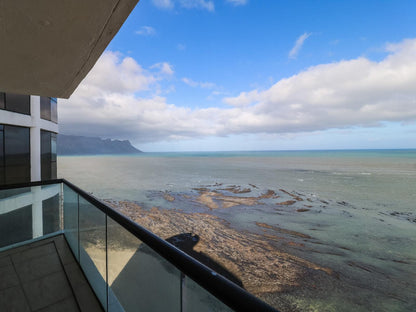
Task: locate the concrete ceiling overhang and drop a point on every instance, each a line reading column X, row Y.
column 48, row 46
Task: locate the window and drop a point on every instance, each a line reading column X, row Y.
column 16, row 154
column 48, row 155
column 18, row 103
column 45, row 108
column 2, row 100
column 54, row 110
column 2, row 171
column 48, row 109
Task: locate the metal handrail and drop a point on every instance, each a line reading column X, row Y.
column 226, row 291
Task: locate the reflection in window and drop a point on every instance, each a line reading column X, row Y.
column 18, row 103
column 2, row 100
column 2, row 172
column 48, row 155
column 14, row 154
column 45, row 108
column 16, row 158
column 48, row 109
column 54, row 111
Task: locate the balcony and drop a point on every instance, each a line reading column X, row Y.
column 127, row 267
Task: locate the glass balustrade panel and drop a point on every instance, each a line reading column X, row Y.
column 28, row 213
column 196, row 298
column 51, row 212
column 71, row 219
column 139, row 279
column 15, row 216
column 92, row 247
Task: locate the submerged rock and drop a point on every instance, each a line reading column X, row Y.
column 249, row 257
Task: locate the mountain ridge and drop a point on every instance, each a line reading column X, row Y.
column 83, row 145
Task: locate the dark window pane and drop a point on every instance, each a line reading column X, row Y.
column 2, row 103
column 46, row 156
column 1, row 147
column 46, row 171
column 17, row 154
column 45, row 144
column 17, row 145
column 54, row 112
column 53, row 170
column 45, row 108
column 53, row 146
column 2, row 181
column 2, row 176
column 17, row 174
column 18, row 103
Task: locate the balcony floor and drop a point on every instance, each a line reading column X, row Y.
column 44, row 276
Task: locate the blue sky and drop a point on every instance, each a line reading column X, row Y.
column 254, row 75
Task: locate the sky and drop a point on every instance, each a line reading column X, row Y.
column 214, row 75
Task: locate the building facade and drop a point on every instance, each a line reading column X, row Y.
column 28, row 129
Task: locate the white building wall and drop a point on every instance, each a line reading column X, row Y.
column 16, row 119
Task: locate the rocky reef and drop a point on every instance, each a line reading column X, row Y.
column 271, row 261
column 249, row 259
column 240, row 253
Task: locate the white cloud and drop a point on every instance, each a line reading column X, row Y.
column 163, row 4
column 298, row 45
column 114, row 74
column 356, row 92
column 164, row 67
column 198, row 4
column 146, row 31
column 244, row 99
column 181, row 47
column 112, row 102
column 194, row 84
column 187, row 4
column 237, row 2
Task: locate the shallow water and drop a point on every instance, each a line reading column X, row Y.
column 361, row 219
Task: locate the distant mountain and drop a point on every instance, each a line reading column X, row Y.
column 80, row 145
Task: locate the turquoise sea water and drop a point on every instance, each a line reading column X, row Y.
column 362, row 218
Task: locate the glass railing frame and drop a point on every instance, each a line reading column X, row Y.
column 224, row 290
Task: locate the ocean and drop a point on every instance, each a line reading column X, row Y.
column 358, row 207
